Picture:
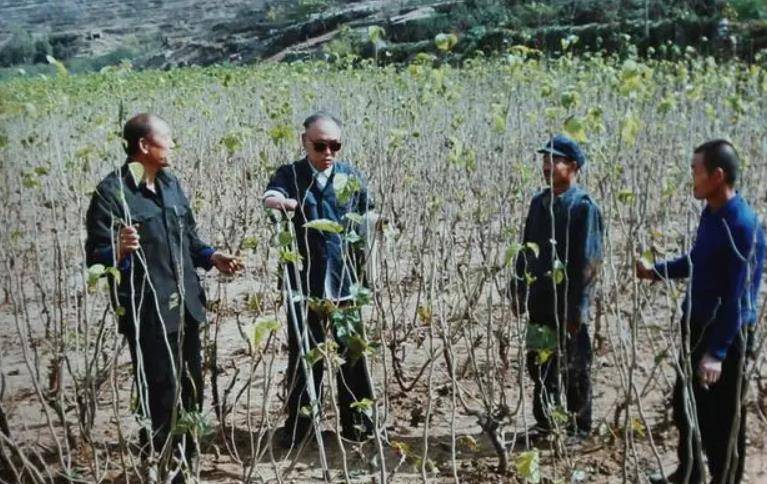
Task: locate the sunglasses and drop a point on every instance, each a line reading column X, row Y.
column 321, row 146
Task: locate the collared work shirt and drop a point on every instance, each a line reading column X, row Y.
column 161, row 275
column 573, row 259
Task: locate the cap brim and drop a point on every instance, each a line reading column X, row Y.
column 554, row 152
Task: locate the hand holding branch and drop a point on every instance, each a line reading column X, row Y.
column 643, row 271
column 127, row 242
column 226, row 263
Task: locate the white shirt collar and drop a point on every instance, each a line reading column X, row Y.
column 326, row 172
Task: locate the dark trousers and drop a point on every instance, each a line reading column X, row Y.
column 718, row 412
column 160, row 384
column 575, row 374
column 353, row 382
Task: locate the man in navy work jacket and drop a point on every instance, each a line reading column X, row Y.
column 310, row 188
column 140, row 222
column 724, row 268
column 555, row 286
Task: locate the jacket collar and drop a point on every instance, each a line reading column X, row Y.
column 163, row 176
column 730, row 207
column 567, row 197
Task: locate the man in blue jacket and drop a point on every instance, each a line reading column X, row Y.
column 313, row 188
column 724, row 268
column 554, row 280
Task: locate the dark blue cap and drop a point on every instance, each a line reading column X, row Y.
column 561, row 145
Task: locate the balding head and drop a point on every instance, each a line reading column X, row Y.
column 321, row 139
column 321, row 117
column 137, row 127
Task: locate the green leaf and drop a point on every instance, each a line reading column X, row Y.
column 360, row 294
column 285, row 238
column 314, row 356
column 638, row 427
column 137, row 171
column 250, row 243
column 261, row 330
column 576, row 128
column 533, row 247
column 511, row 253
column 630, row 129
column 94, row 273
column 363, row 406
column 354, row 218
column 528, row 466
column 323, row 307
column 356, row 347
column 290, row 256
column 569, row 99
column 558, row 273
column 626, row 196
column 280, row 132
column 115, row 273
column 402, row 448
column 375, row 33
column 542, row 356
column 352, row 237
column 345, row 187
column 540, row 337
column 559, row 415
column 232, row 142
column 324, row 225
column 445, row 42
column 424, row 314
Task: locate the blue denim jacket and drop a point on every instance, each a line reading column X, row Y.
column 578, row 231
column 322, row 252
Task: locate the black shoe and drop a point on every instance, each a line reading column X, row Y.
column 289, row 437
column 576, row 437
column 673, row 478
column 539, row 430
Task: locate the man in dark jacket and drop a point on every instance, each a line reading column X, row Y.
column 139, row 221
column 554, row 280
column 719, row 313
column 314, row 188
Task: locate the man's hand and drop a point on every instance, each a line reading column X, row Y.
column 225, row 263
column 127, row 242
column 645, row 272
column 709, row 370
column 281, row 203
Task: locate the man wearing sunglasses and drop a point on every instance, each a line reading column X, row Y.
column 314, row 188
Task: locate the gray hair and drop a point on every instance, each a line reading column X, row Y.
column 321, row 116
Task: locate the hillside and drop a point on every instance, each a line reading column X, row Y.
column 171, row 33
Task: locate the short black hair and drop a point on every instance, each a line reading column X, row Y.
column 137, row 127
column 321, row 116
column 720, row 153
